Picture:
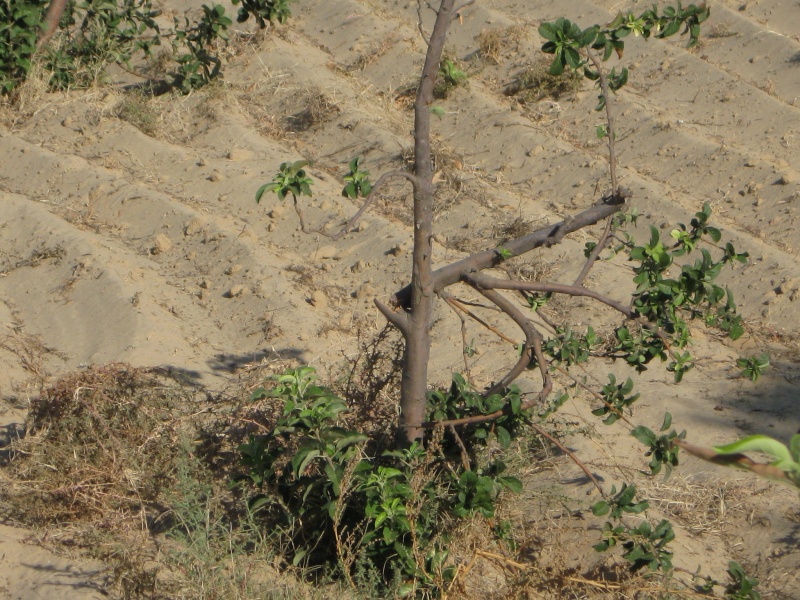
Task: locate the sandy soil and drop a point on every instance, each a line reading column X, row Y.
column 129, row 231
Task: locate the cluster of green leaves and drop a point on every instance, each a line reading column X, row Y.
column 356, row 182
column 313, row 479
column 461, row 401
column 291, row 179
column 97, row 33
column 197, row 65
column 668, row 303
column 94, row 34
column 740, row 587
column 302, row 488
column 570, row 44
column 616, row 398
column 753, row 367
column 264, row 11
column 20, row 23
column 661, row 448
column 450, row 76
column 643, row 545
column 569, row 348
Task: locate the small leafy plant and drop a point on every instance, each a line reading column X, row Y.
column 317, row 479
column 93, row 34
column 741, row 587
column 753, row 367
column 356, row 182
column 20, row 24
column 197, row 66
column 450, row 77
column 643, row 545
column 264, row 11
column 291, row 178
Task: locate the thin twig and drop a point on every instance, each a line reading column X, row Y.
column 460, row 306
column 465, row 462
column 572, row 457
column 457, row 11
column 612, row 166
column 348, row 227
column 558, row 288
column 452, row 303
column 532, row 349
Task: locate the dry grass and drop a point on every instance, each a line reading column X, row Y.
column 99, row 443
column 699, row 507
column 534, row 83
column 494, row 43
column 318, row 108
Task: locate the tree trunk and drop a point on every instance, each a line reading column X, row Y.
column 52, row 17
column 414, row 386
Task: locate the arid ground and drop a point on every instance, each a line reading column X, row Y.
column 129, row 232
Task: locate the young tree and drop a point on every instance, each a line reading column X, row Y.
column 413, row 308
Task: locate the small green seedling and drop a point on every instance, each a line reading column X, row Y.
column 451, row 74
column 356, row 182
column 264, row 11
column 754, row 366
column 504, row 253
column 291, row 179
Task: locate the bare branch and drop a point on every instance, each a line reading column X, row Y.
column 595, row 253
column 610, row 130
column 532, row 349
column 299, row 212
column 398, row 319
column 454, row 304
column 571, row 455
column 457, row 11
column 487, row 282
column 460, row 306
column 612, row 167
column 348, row 227
column 453, row 273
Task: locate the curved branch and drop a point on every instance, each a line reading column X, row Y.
column 595, row 253
column 533, row 344
column 453, row 273
column 399, row 320
column 348, row 227
column 533, row 349
column 572, row 456
column 557, row 288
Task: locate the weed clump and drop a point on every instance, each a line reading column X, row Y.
column 534, row 83
column 99, row 444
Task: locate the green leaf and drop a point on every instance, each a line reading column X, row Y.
column 503, row 437
column 438, row 111
column 794, row 447
column 600, row 508
column 757, row 443
column 557, row 66
column 302, row 460
column 667, row 422
column 350, row 439
column 261, row 191
column 548, row 32
column 644, row 435
column 511, row 483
